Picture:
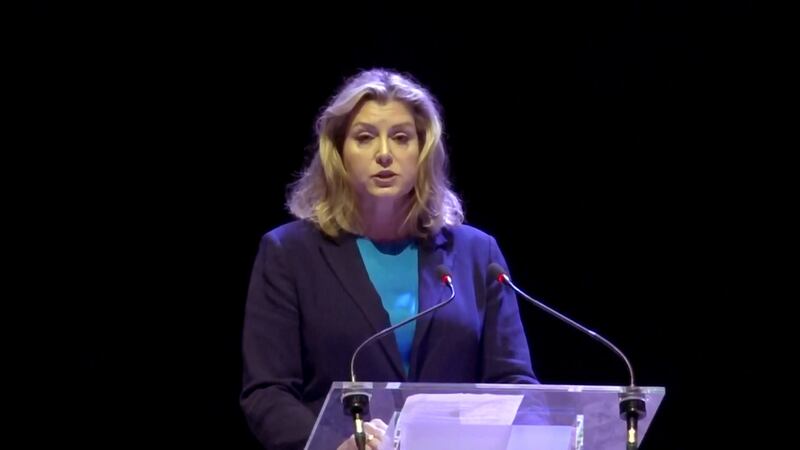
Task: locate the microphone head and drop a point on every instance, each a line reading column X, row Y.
column 497, row 272
column 443, row 272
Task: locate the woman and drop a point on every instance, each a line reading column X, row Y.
column 375, row 217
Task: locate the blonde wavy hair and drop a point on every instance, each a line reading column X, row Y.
column 323, row 193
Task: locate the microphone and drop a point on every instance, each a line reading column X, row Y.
column 355, row 397
column 632, row 404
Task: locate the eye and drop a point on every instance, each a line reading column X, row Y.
column 362, row 138
column 402, row 138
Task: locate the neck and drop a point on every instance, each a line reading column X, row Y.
column 382, row 220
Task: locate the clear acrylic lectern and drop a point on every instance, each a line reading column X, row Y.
column 424, row 416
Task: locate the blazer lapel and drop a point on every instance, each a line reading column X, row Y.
column 432, row 253
column 345, row 261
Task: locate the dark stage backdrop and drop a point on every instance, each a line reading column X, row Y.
column 595, row 142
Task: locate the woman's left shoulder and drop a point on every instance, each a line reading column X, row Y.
column 464, row 234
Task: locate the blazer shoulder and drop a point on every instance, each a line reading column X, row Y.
column 293, row 234
column 467, row 234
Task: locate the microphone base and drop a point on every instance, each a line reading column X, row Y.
column 632, row 407
column 355, row 402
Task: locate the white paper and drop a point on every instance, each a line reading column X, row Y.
column 474, row 409
column 473, row 422
column 457, row 421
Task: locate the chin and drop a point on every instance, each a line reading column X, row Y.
column 390, row 192
column 384, row 193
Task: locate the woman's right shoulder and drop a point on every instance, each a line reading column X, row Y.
column 295, row 232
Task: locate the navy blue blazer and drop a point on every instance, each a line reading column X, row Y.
column 310, row 303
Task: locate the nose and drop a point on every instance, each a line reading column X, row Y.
column 384, row 156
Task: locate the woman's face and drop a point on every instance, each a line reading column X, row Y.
column 381, row 150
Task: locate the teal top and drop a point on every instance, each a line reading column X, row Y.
column 393, row 270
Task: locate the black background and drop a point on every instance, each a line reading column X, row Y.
column 601, row 144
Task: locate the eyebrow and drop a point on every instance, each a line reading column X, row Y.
column 404, row 125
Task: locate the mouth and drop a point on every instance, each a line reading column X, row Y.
column 385, row 175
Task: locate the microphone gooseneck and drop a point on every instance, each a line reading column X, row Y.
column 503, row 277
column 355, row 398
column 632, row 405
column 444, row 276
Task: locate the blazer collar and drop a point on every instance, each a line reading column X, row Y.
column 434, row 251
column 345, row 261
